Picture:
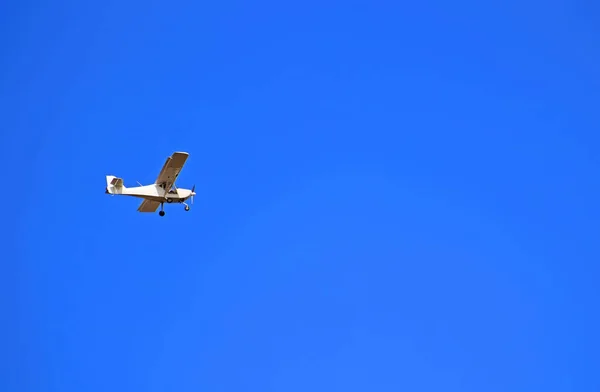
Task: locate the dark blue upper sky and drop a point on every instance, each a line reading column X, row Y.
column 398, row 197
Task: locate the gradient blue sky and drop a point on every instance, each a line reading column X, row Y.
column 399, row 197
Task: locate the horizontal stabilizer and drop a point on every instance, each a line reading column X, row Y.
column 118, row 182
column 114, row 185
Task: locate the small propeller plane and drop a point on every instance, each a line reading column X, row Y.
column 162, row 191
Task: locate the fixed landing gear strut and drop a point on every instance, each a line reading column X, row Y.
column 162, row 208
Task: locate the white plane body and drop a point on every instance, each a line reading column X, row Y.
column 162, row 191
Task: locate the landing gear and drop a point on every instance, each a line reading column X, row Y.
column 162, row 207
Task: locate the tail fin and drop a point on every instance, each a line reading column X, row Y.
column 114, row 185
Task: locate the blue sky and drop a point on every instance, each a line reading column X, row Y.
column 390, row 197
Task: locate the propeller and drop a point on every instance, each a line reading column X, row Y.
column 193, row 193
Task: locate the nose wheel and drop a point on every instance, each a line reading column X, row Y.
column 187, row 208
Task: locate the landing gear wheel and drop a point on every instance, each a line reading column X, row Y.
column 187, row 208
column 161, row 213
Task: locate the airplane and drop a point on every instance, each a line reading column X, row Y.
column 163, row 190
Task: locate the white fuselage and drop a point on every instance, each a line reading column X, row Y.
column 152, row 192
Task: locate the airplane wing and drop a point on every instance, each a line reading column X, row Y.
column 148, row 206
column 171, row 169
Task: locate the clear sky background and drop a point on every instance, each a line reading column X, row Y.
column 398, row 196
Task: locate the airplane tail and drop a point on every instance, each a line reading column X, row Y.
column 114, row 185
